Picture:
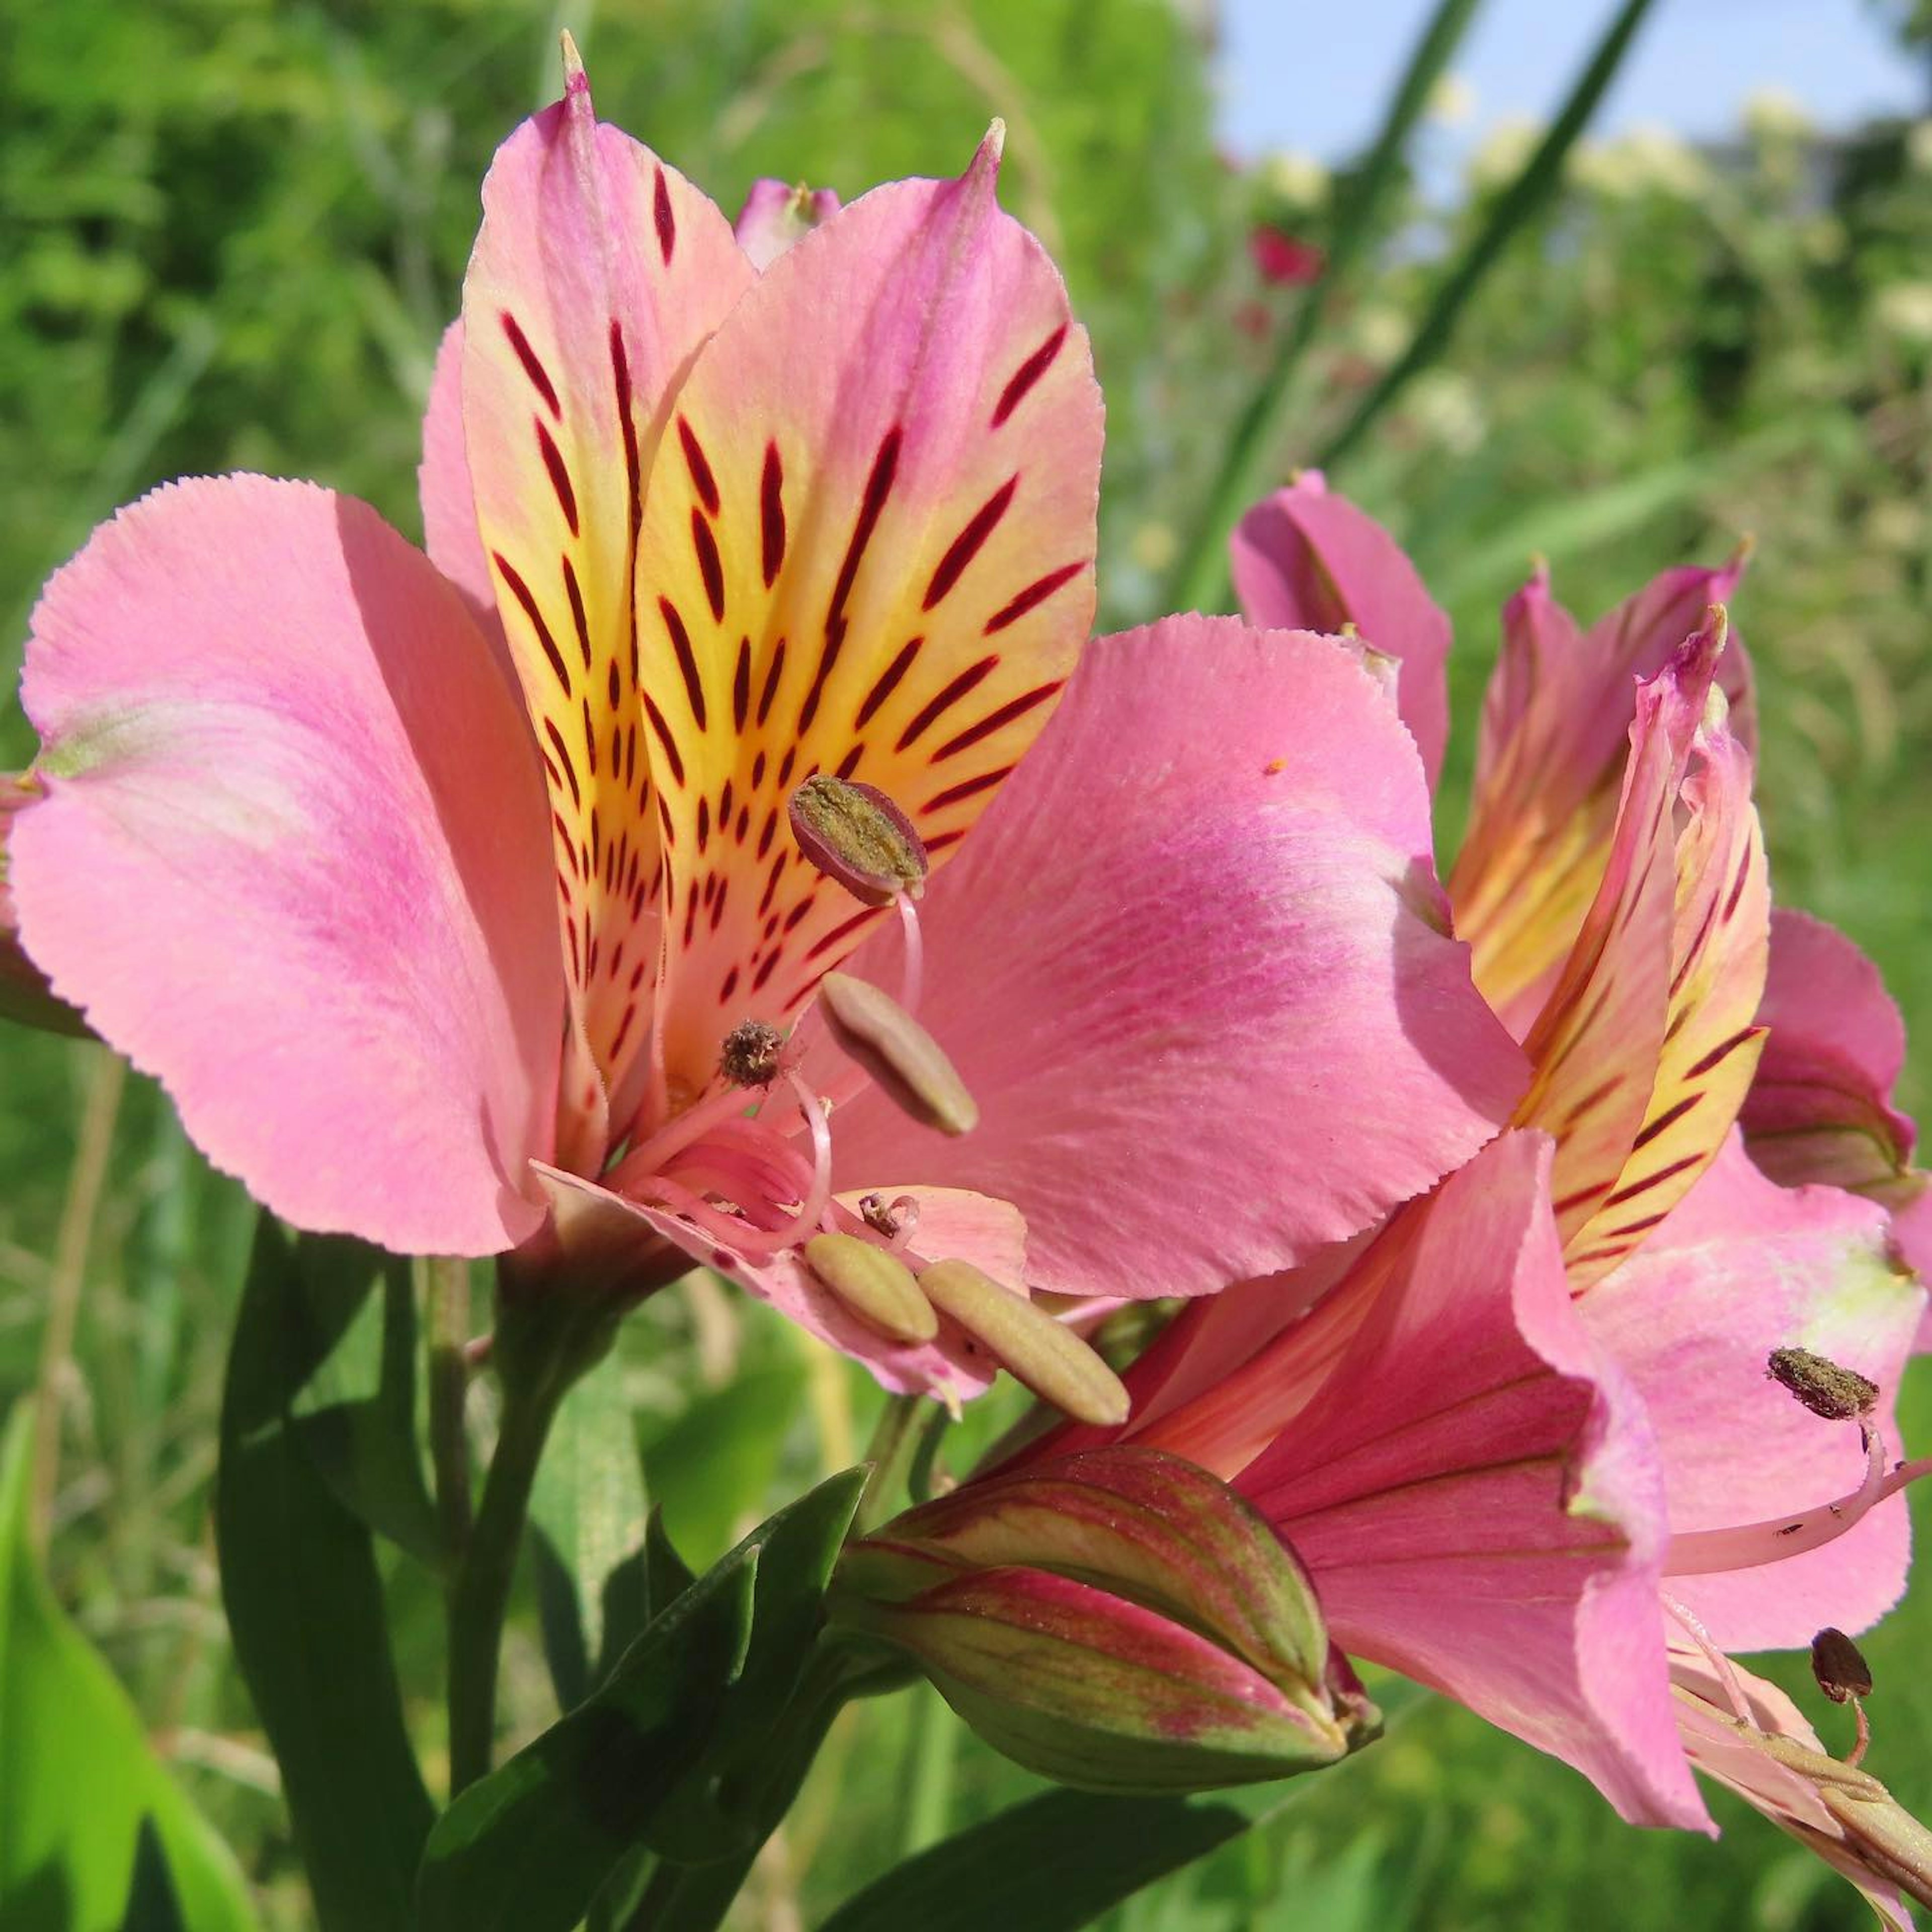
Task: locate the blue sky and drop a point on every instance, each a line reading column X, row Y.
column 1313, row 74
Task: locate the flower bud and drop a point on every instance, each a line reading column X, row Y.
column 1116, row 1619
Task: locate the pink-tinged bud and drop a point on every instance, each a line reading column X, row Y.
column 1118, row 1620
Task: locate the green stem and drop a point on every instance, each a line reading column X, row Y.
column 447, row 1294
column 1513, row 208
column 1200, row 580
column 482, row 1592
column 895, row 1442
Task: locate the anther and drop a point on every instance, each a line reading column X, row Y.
column 877, row 1287
column 1051, row 1359
column 1840, row 1667
column 855, row 834
column 1834, row 1394
column 891, row 1218
column 750, row 1055
column 897, row 1052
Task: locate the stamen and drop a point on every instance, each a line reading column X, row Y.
column 1837, row 1394
column 1846, row 1677
column 749, row 1057
column 896, row 1219
column 1725, row 1670
column 877, row 1286
column 912, row 975
column 899, row 1053
column 812, row 1209
column 1051, row 1359
column 728, row 1103
column 855, row 834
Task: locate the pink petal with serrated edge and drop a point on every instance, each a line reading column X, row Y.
column 1193, row 966
column 1307, row 559
column 1740, row 1267
column 291, row 858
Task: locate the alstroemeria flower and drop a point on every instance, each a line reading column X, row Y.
column 451, row 896
column 1621, row 924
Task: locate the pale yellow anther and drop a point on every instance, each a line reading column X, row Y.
column 877, row 1287
column 1052, row 1361
column 897, row 1052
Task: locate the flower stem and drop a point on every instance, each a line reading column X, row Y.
column 447, row 1295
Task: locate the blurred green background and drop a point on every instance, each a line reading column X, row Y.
column 232, row 233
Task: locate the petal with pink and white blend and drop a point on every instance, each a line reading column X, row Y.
column 1473, row 1484
column 1306, row 560
column 1194, row 967
column 291, row 858
column 776, row 214
column 1821, row 1108
column 1548, row 763
column 1741, row 1268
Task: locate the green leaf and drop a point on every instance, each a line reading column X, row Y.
column 304, row 1598
column 667, row 1575
column 528, row 1848
column 78, row 1776
column 587, row 1514
column 152, row 1906
column 1051, row 1864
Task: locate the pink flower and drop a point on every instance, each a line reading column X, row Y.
column 449, row 895
column 1283, row 260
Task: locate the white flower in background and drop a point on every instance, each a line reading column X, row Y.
column 1452, row 101
column 1154, row 546
column 1499, row 156
column 1918, row 146
column 1382, row 333
column 1444, row 404
column 1775, row 114
column 1294, row 177
column 1904, row 310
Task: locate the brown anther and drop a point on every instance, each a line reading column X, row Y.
column 889, row 1218
column 855, row 834
column 1834, row 1394
column 897, row 1052
column 1840, row 1667
column 751, row 1054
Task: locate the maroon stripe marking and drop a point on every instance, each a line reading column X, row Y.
column 772, row 879
column 774, row 672
column 1738, row 890
column 784, row 767
column 1650, row 1181
column 1718, row 1055
column 614, row 684
column 576, row 964
column 765, row 972
column 939, row 842
column 757, row 771
column 703, row 823
column 724, row 808
column 702, row 479
column 994, row 721
column 563, row 750
column 709, row 564
column 664, row 819
column 559, row 475
column 690, row 918
column 1036, row 592
column 563, row 833
column 577, row 617
column 667, row 225
column 669, row 743
column 771, row 514
column 744, row 824
column 936, row 708
column 1668, row 1118
column 718, row 905
column 589, row 739
column 968, row 789
column 1569, row 1200
column 1641, row 1226
column 966, row 545
column 841, row 933
column 834, row 643
column 728, row 987
column 796, row 917
column 539, row 375
column 687, row 663
column 1592, row 1100
column 765, row 837
column 888, row 683
column 741, row 686
column 849, row 763
column 521, row 591
column 1026, row 374
column 871, row 506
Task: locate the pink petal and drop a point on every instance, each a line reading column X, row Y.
column 776, row 214
column 879, row 564
column 25, row 997
column 291, row 858
column 1554, row 725
column 448, row 498
column 1474, row 1486
column 1821, row 1108
column 598, row 273
column 1743, row 1267
column 1307, row 560
column 1193, row 967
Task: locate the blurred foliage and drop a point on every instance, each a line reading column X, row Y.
column 234, row 230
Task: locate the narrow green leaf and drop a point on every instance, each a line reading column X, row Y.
column 152, row 1906
column 304, row 1598
column 528, row 1848
column 1051, row 1864
column 77, row 1776
column 1514, row 209
column 667, row 1575
column 587, row 1514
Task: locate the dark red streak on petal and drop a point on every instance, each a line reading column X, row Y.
column 771, row 514
column 967, row 544
column 970, row 788
column 559, row 474
column 1036, row 593
column 539, row 375
column 667, row 226
column 994, row 721
column 521, row 591
column 936, row 707
column 702, row 480
column 741, row 685
column 888, row 682
column 1026, row 374
column 687, row 663
column 563, row 753
column 667, row 742
column 709, row 566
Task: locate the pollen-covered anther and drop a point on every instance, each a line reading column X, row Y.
column 897, row 1052
column 891, row 1218
column 876, row 1286
column 751, row 1053
column 1051, row 1361
column 1834, row 1394
column 856, row 834
column 1840, row 1667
